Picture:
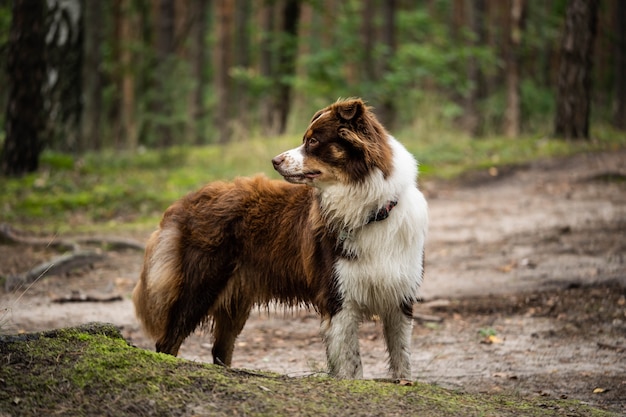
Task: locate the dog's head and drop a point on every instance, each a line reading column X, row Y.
column 343, row 143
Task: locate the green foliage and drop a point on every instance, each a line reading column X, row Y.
column 175, row 83
column 120, row 187
column 430, row 52
column 486, row 332
column 5, row 23
column 111, row 188
column 57, row 161
column 427, row 55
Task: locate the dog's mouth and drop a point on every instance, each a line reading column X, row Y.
column 300, row 178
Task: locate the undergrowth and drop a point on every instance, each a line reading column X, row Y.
column 113, row 189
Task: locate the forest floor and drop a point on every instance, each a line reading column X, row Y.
column 524, row 292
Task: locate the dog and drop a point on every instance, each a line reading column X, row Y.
column 344, row 234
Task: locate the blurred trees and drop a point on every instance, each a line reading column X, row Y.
column 24, row 121
column 619, row 24
column 92, row 77
column 512, row 116
column 574, row 82
column 130, row 73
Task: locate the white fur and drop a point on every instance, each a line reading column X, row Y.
column 341, row 337
column 387, row 270
column 160, row 285
column 389, row 252
column 163, row 263
column 296, row 156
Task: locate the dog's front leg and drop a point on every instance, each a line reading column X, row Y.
column 397, row 328
column 340, row 333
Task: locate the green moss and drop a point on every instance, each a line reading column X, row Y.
column 91, row 370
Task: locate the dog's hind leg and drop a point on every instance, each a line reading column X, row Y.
column 169, row 344
column 184, row 318
column 227, row 324
column 340, row 333
column 198, row 297
column 397, row 328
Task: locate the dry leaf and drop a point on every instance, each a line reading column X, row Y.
column 491, row 340
column 599, row 390
column 508, row 267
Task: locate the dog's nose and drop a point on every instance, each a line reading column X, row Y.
column 278, row 160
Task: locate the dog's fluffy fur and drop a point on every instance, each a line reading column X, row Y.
column 345, row 234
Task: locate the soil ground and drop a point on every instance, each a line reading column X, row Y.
column 525, row 290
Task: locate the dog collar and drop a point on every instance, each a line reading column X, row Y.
column 376, row 216
column 383, row 212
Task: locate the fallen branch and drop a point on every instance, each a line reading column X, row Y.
column 57, row 266
column 9, row 235
column 117, row 243
column 80, row 297
column 611, row 347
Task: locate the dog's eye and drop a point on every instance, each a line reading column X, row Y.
column 313, row 142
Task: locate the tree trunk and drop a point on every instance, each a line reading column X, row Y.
column 265, row 66
column 547, row 51
column 306, row 46
column 471, row 120
column 165, row 42
column 64, row 66
column 387, row 110
column 114, row 111
column 26, row 73
column 287, row 61
column 368, row 32
column 512, row 113
column 92, row 75
column 573, row 106
column 619, row 113
column 199, row 61
column 242, row 60
column 225, row 10
column 128, row 29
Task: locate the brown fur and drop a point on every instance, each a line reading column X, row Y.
column 236, row 245
column 365, row 146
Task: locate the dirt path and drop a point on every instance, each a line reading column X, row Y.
column 525, row 283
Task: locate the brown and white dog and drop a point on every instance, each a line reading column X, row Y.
column 345, row 235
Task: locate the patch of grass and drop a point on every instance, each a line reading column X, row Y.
column 91, row 370
column 108, row 190
column 487, row 331
column 447, row 154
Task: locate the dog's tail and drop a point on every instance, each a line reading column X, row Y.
column 160, row 282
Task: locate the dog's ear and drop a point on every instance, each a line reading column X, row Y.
column 350, row 109
column 353, row 138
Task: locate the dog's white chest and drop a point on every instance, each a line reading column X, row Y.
column 387, row 266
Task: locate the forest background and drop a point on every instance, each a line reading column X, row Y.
column 88, row 78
